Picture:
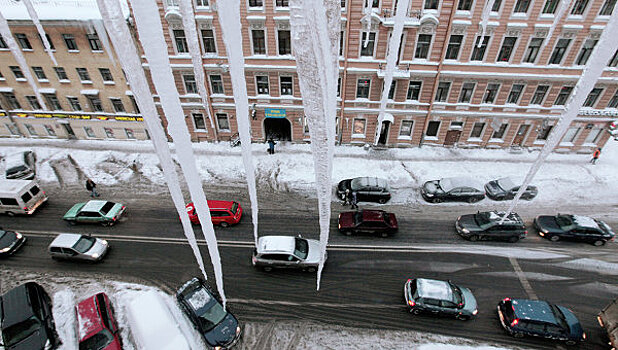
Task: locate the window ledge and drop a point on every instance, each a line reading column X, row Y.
column 431, row 138
column 475, row 139
column 74, row 51
column 496, row 140
column 96, row 51
column 358, row 136
column 43, row 80
column 64, row 81
column 109, row 83
column 589, row 144
column 567, row 144
column 21, row 79
column 2, row 79
column 404, row 138
column 86, row 82
column 27, row 50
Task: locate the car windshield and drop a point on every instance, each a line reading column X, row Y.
column 6, row 239
column 84, row 244
column 457, row 298
column 107, row 207
column 560, row 317
column 301, row 248
column 16, row 169
column 98, row 341
column 483, row 219
column 564, row 221
column 358, row 217
column 208, row 310
column 16, row 333
column 234, row 208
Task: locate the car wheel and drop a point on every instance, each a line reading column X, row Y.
column 513, row 239
column 72, row 222
column 462, row 317
column 267, row 268
column 416, row 311
column 107, row 223
column 224, row 224
column 554, row 238
column 472, row 200
column 382, row 200
column 311, row 269
column 347, row 232
column 570, row 342
column 518, row 335
column 10, row 213
column 437, row 200
column 598, row 243
column 474, row 238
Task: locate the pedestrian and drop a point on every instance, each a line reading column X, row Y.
column 271, row 146
column 346, row 198
column 92, row 187
column 595, row 156
column 354, row 200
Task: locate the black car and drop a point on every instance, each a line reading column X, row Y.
column 458, row 189
column 219, row 328
column 573, row 227
column 10, row 242
column 26, row 318
column 489, row 225
column 368, row 189
column 537, row 318
column 505, row 189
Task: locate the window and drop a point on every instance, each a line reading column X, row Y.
column 117, row 104
column 432, row 128
column 222, row 122
column 69, row 40
column 406, row 128
column 52, row 101
column 50, row 130
column 17, row 72
column 208, row 39
column 367, row 50
column 3, row 43
column 216, row 84
column 190, row 85
column 515, row 93
column 109, row 133
column 74, row 102
column 23, row 41
column 286, row 85
column 442, row 93
column 478, row 53
column 454, row 44
column 422, row 46
column 544, row 132
column 261, row 82
column 259, row 44
column 496, row 6
column 491, row 92
column 31, row 130
column 95, row 103
column 83, row 74
column 499, row 134
column 89, row 132
column 613, row 62
column 34, row 103
column 11, row 100
column 61, row 73
column 374, row 3
column 255, row 3
column 203, row 3
column 285, row 42
column 362, row 88
column 465, row 96
column 539, row 94
column 607, row 8
column 593, row 135
column 358, row 127
column 464, row 5
column 106, row 74
column 341, row 42
column 134, row 103
column 564, row 94
column 391, row 91
column 613, row 103
column 593, row 96
column 571, row 135
column 507, row 49
column 95, row 43
column 585, row 52
column 550, row 6
column 431, row 5
column 198, row 121
column 521, row 6
column 339, row 87
column 40, row 74
column 130, row 134
column 579, row 7
column 51, row 44
column 180, row 40
column 559, row 51
column 477, row 130
column 414, row 90
column 533, row 50
column 285, row 3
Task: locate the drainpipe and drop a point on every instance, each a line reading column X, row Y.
column 211, row 112
column 437, row 81
column 345, row 70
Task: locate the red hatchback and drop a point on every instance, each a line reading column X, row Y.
column 368, row 221
column 96, row 326
column 222, row 213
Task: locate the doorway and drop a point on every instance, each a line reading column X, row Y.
column 452, row 136
column 386, row 125
column 278, row 128
column 69, row 130
column 521, row 135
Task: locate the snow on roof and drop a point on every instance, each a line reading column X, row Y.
column 57, row 10
column 533, row 309
column 12, row 186
column 94, row 205
column 199, row 298
column 585, row 221
column 276, row 244
column 506, row 183
column 448, row 183
column 361, row 182
column 65, row 240
column 14, row 159
column 86, row 310
column 434, row 289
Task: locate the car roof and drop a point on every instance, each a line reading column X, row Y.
column 373, row 215
column 361, row 182
column 448, row 183
column 512, row 218
column 585, row 221
column 93, row 205
column 535, row 310
column 217, row 204
column 434, row 289
column 88, row 318
column 66, row 240
column 16, row 306
column 276, row 244
column 14, row 159
column 506, row 183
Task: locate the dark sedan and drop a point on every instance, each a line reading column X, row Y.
column 368, row 189
column 574, row 227
column 491, row 225
column 10, row 242
column 367, row 221
column 457, row 189
column 218, row 327
column 505, row 189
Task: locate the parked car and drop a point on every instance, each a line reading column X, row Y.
column 439, row 298
column 27, row 320
column 504, row 189
column 608, row 319
column 10, row 242
column 368, row 189
column 20, row 197
column 20, row 166
column 73, row 246
column 101, row 212
column 96, row 324
column 222, row 213
column 460, row 189
column 574, row 227
column 368, row 221
column 538, row 318
column 219, row 328
column 286, row 252
column 488, row 225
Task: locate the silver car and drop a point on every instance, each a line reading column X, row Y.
column 20, row 166
column 72, row 246
column 286, row 252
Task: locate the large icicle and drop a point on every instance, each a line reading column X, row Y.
column 591, row 74
column 367, row 18
column 229, row 19
column 315, row 36
column 102, row 34
column 5, row 31
column 489, row 4
column 563, row 6
column 391, row 60
column 188, row 23
column 35, row 19
column 130, row 61
column 151, row 37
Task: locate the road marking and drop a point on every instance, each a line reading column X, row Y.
column 522, row 278
column 316, row 304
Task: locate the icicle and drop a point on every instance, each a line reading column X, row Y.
column 315, row 33
column 188, row 23
column 35, row 19
column 484, row 19
column 591, row 74
column 130, row 61
column 391, row 60
column 229, row 19
column 151, row 37
column 368, row 11
column 563, row 6
column 5, row 31
column 102, row 34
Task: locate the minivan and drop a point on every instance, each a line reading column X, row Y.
column 20, row 197
column 20, row 166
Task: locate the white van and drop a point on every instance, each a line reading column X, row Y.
column 20, row 196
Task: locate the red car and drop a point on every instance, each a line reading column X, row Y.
column 96, row 325
column 222, row 213
column 368, row 221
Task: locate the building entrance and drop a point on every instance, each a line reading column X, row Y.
column 278, row 128
column 384, row 132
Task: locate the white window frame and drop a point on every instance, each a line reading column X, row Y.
column 228, row 122
column 361, row 41
column 356, row 135
column 277, row 39
column 572, row 138
column 404, row 136
column 214, row 34
column 265, row 42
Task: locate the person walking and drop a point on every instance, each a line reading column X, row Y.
column 354, row 200
column 92, row 187
column 271, row 146
column 346, row 198
column 595, row 156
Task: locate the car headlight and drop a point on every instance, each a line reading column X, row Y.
column 544, row 231
column 218, row 348
column 238, row 330
column 5, row 250
column 95, row 255
column 465, row 230
column 18, row 235
column 104, row 241
column 429, row 194
column 48, row 345
column 476, row 311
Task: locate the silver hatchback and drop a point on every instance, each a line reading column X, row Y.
column 286, row 252
column 72, row 246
